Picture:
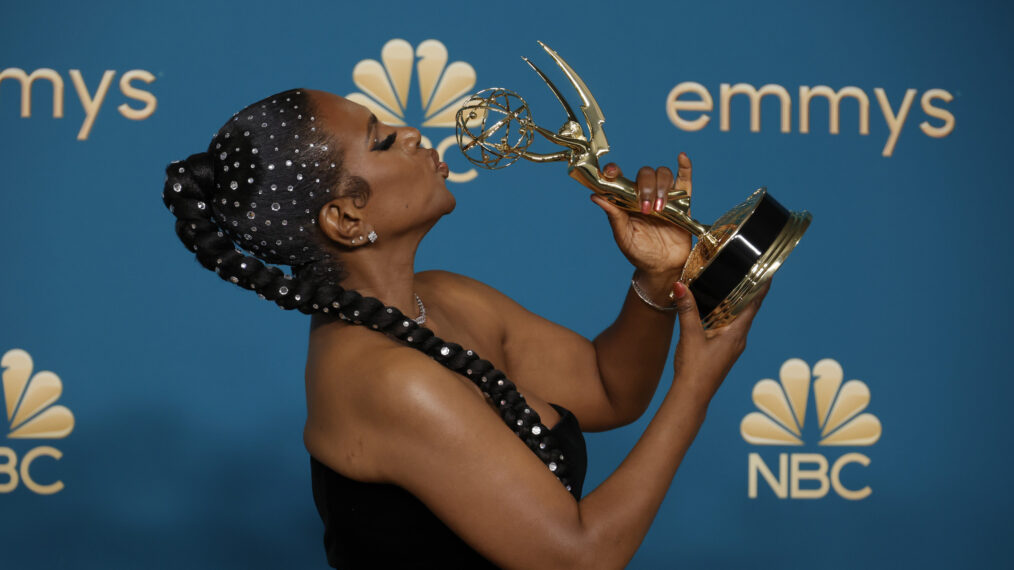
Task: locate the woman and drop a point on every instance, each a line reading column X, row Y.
column 422, row 452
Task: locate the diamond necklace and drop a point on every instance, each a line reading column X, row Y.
column 421, row 319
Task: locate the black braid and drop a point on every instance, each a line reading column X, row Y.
column 190, row 189
column 185, row 194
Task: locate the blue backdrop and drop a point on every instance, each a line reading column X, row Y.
column 187, row 394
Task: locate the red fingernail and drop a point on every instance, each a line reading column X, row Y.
column 659, row 204
column 680, row 289
column 646, row 207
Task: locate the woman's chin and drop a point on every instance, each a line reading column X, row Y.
column 451, row 203
column 443, row 204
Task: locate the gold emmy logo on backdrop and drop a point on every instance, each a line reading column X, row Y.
column 31, row 415
column 702, row 102
column 91, row 99
column 386, row 89
column 781, row 419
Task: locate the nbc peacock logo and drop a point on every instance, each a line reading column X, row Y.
column 386, row 90
column 31, row 414
column 781, row 420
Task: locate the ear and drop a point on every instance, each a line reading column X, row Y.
column 343, row 222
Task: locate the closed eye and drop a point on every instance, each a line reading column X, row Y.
column 386, row 143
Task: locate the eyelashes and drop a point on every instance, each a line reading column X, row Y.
column 386, row 143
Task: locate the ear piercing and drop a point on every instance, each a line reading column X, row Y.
column 372, row 237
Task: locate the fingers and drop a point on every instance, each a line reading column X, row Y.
column 617, row 216
column 684, row 181
column 763, row 292
column 654, row 185
column 745, row 319
column 653, row 188
column 663, row 183
column 646, row 188
column 686, row 309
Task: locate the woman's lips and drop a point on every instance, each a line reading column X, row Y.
column 440, row 167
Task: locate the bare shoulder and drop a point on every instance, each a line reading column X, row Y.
column 462, row 288
column 357, row 408
column 455, row 281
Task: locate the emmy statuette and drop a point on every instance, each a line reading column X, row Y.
column 732, row 258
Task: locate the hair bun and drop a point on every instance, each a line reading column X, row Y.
column 187, row 195
column 193, row 178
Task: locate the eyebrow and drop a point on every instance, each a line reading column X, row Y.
column 371, row 125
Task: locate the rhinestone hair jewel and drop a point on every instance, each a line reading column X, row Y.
column 249, row 152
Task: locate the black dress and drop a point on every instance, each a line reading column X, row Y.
column 377, row 525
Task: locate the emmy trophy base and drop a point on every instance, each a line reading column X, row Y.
column 743, row 249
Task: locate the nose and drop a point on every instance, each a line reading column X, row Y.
column 411, row 136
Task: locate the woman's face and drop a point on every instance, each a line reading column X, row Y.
column 408, row 183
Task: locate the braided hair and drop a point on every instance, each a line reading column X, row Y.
column 250, row 202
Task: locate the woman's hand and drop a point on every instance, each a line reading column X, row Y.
column 650, row 243
column 704, row 357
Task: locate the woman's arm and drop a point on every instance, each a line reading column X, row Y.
column 425, row 429
column 610, row 382
column 631, row 353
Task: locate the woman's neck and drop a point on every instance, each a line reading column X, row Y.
column 386, row 272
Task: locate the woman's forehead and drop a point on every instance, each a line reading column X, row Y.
column 339, row 111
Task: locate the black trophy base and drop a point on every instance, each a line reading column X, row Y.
column 745, row 251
